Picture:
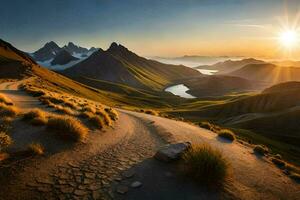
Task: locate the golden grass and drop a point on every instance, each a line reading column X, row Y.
column 209, row 126
column 86, row 114
column 97, row 122
column 64, row 110
column 113, row 114
column 151, row 112
column 36, row 149
column 36, row 117
column 4, row 99
column 5, row 140
column 227, row 134
column 8, row 111
column 68, row 128
column 205, row 164
column 105, row 116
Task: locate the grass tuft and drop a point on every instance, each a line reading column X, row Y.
column 36, row 149
column 8, row 111
column 278, row 162
column 205, row 164
column 97, row 122
column 5, row 140
column 68, row 128
column 227, row 134
column 4, row 99
column 260, row 149
column 113, row 114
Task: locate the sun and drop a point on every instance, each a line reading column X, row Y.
column 288, row 38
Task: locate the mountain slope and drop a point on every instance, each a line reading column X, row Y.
column 63, row 57
column 268, row 73
column 47, row 52
column 230, row 65
column 217, row 85
column 119, row 65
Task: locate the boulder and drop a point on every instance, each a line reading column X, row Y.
column 172, row 152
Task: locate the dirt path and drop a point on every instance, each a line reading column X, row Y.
column 94, row 170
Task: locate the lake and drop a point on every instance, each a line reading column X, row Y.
column 179, row 90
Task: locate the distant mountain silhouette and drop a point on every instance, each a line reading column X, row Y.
column 51, row 49
column 119, row 65
column 63, row 57
column 230, row 65
column 268, row 73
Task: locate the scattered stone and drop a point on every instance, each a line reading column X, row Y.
column 96, row 195
column 136, row 184
column 128, row 174
column 62, row 182
column 172, row 152
column 94, row 187
column 87, row 181
column 118, row 179
column 44, row 189
column 122, row 189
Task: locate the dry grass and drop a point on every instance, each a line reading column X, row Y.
column 86, row 114
column 4, row 99
column 36, row 117
column 97, row 122
column 105, row 116
column 64, row 110
column 205, row 164
column 8, row 111
column 260, row 149
column 278, row 162
column 209, row 126
column 68, row 128
column 151, row 112
column 295, row 176
column 36, row 149
column 113, row 114
column 5, row 140
column 227, row 134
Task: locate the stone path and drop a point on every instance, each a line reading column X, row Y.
column 91, row 178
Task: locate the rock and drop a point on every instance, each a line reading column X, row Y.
column 80, row 192
column 122, row 189
column 136, row 184
column 172, row 152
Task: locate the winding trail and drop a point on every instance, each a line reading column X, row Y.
column 93, row 170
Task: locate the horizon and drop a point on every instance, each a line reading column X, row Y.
column 206, row 28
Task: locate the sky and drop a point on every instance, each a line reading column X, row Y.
column 166, row 28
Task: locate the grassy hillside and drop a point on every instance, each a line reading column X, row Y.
column 121, row 66
column 268, row 73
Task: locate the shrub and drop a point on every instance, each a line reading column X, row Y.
column 34, row 114
column 86, row 114
column 5, row 140
column 36, row 149
column 105, row 116
column 206, row 125
column 97, row 122
column 64, row 110
column 68, row 127
column 278, row 162
column 4, row 99
column 151, row 112
column 261, row 150
column 8, row 111
column 36, row 117
column 112, row 113
column 89, row 108
column 227, row 134
column 205, row 164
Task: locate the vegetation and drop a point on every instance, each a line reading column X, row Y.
column 36, row 149
column 68, row 128
column 260, row 149
column 227, row 134
column 97, row 122
column 278, row 162
column 36, row 117
column 112, row 113
column 8, row 111
column 4, row 99
column 205, row 164
column 5, row 140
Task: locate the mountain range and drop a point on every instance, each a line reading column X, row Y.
column 51, row 50
column 119, row 65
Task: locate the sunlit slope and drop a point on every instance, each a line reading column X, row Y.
column 119, row 65
column 268, row 73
